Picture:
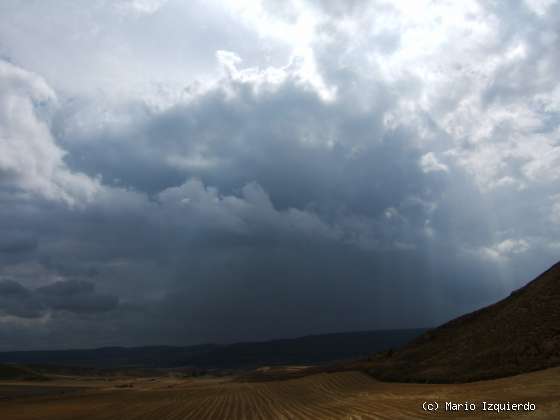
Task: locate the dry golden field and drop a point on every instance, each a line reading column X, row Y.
column 343, row 395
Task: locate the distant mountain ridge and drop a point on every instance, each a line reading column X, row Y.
column 312, row 349
column 518, row 334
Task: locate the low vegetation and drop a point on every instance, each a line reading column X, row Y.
column 9, row 371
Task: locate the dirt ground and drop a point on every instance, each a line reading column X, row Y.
column 343, row 395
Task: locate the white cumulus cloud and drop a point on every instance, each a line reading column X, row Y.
column 30, row 159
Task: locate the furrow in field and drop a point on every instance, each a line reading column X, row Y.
column 216, row 407
column 267, row 401
column 260, row 404
column 276, row 408
column 222, row 406
column 197, row 408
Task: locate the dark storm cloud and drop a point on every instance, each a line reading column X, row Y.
column 228, row 142
column 17, row 242
column 10, row 288
column 311, row 246
column 16, row 300
column 378, row 188
column 76, row 296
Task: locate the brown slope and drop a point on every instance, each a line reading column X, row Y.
column 518, row 334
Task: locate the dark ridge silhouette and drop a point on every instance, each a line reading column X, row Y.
column 515, row 335
column 312, row 349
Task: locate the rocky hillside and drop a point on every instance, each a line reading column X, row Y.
column 518, row 334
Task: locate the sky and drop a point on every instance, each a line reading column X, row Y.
column 217, row 171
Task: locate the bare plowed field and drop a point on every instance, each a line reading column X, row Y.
column 344, row 395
